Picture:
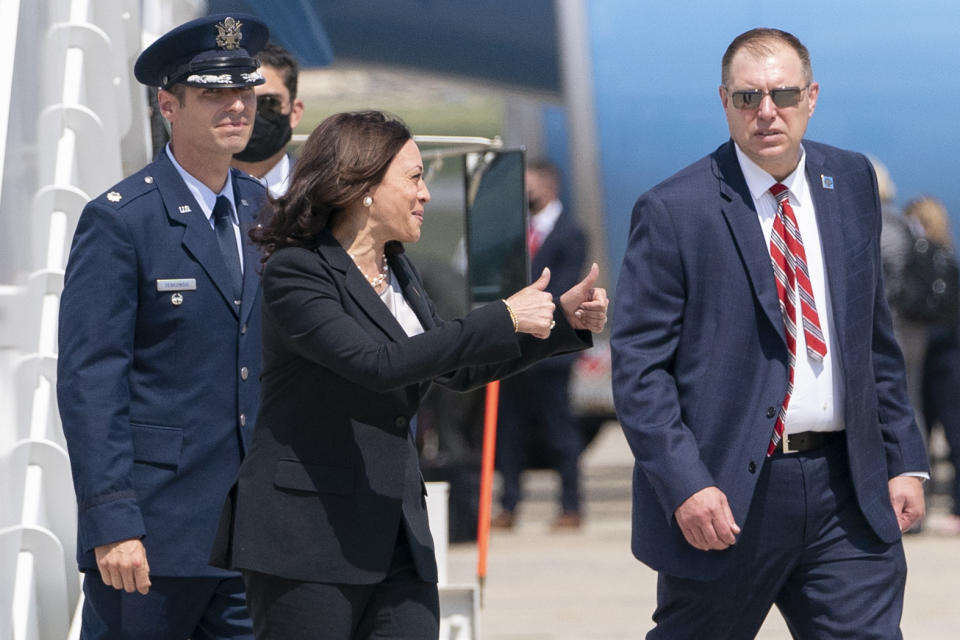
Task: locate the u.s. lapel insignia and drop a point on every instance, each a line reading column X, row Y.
column 243, row 201
column 184, row 208
column 228, row 34
column 114, row 196
column 826, row 181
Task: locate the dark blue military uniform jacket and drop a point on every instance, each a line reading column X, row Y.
column 159, row 366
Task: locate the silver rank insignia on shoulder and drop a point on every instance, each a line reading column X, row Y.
column 826, row 181
column 184, row 208
column 114, row 196
column 176, row 299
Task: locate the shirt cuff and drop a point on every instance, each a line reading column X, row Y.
column 916, row 474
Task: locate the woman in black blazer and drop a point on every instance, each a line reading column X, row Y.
column 328, row 518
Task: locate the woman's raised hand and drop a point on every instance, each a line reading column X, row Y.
column 584, row 305
column 533, row 307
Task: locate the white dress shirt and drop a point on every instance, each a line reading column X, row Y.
column 277, row 180
column 543, row 222
column 817, row 399
column 392, row 296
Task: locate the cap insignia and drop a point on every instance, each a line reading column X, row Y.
column 113, row 196
column 228, row 33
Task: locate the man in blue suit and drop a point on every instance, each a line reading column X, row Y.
column 757, row 378
column 539, row 396
column 159, row 362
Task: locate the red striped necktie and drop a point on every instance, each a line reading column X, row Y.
column 790, row 271
column 533, row 240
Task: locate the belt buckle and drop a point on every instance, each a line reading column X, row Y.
column 785, row 444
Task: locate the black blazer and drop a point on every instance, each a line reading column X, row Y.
column 332, row 472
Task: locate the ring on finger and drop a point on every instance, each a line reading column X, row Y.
column 553, row 323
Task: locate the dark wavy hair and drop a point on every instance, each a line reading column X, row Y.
column 345, row 156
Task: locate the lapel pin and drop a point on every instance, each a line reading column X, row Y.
column 826, row 181
column 243, row 202
column 184, row 208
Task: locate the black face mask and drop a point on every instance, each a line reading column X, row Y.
column 271, row 133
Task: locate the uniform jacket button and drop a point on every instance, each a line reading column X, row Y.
column 243, row 329
column 243, row 419
column 752, row 467
column 244, row 373
column 401, row 422
column 771, row 411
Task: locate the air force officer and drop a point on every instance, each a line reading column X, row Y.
column 160, row 346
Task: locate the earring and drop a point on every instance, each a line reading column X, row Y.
column 367, row 201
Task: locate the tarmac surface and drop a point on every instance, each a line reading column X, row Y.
column 586, row 585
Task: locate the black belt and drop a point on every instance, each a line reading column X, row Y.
column 809, row 440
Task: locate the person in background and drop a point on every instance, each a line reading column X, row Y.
column 159, row 349
column 757, row 378
column 941, row 370
column 279, row 111
column 896, row 246
column 535, row 404
column 328, row 518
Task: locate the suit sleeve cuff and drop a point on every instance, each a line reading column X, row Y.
column 110, row 522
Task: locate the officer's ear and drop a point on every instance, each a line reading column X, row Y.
column 169, row 101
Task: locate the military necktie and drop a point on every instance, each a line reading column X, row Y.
column 223, row 223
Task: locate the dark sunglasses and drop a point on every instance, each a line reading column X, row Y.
column 751, row 99
column 269, row 102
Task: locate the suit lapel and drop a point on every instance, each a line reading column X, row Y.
column 738, row 209
column 826, row 203
column 199, row 238
column 412, row 292
column 358, row 288
column 556, row 236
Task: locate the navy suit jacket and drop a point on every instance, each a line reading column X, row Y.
column 700, row 358
column 158, row 381
column 332, row 473
column 563, row 250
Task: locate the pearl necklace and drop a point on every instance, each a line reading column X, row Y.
column 381, row 277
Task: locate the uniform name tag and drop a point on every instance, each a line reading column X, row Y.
column 177, row 284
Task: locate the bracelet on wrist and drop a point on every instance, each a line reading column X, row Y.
column 513, row 317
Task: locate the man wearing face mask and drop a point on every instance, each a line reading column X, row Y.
column 535, row 403
column 278, row 113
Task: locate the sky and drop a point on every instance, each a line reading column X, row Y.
column 889, row 75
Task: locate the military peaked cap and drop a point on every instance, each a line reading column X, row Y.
column 213, row 51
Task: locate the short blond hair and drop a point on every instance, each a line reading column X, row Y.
column 931, row 213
